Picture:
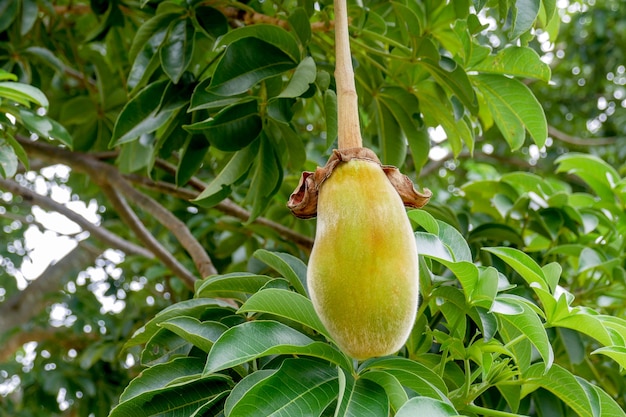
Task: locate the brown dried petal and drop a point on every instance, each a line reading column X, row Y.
column 303, row 201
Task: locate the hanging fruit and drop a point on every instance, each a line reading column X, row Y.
column 363, row 275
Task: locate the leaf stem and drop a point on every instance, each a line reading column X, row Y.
column 349, row 130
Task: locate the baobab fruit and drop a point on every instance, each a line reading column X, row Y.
column 363, row 270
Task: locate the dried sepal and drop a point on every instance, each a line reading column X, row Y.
column 303, row 201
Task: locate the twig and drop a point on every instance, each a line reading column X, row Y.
column 578, row 141
column 349, row 130
column 98, row 232
column 130, row 218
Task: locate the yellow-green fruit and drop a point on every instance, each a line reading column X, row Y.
column 363, row 271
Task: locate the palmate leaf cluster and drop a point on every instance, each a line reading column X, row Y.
column 522, row 272
column 496, row 330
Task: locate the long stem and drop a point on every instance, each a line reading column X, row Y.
column 349, row 130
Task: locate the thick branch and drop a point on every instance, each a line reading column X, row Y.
column 143, row 234
column 349, row 130
column 98, row 232
column 20, row 308
column 107, row 175
column 173, row 223
column 578, row 141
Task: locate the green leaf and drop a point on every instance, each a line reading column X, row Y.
column 454, row 240
column 152, row 31
column 136, row 155
column 255, row 339
column 23, row 93
column 528, row 323
column 233, row 128
column 495, row 233
column 211, row 21
column 609, row 407
column 360, row 398
column 246, row 62
column 163, row 346
column 271, row 34
column 174, row 400
column 220, row 187
column 392, row 141
column 518, row 61
column 192, row 308
column 201, row 334
column 525, row 13
column 454, row 79
column 617, row 353
column 584, row 322
column 46, row 56
column 514, row 108
column 413, row 375
column 290, row 267
column 177, row 49
column 140, row 114
column 301, row 79
column 439, row 112
column 17, row 150
column 45, row 127
column 230, row 285
column 299, row 22
column 404, row 107
column 424, row 406
column 8, row 13
column 448, row 235
column 300, row 387
column 431, row 246
column 599, row 175
column 287, row 304
column 522, row 264
column 266, row 175
column 8, row 159
column 191, row 158
column 205, row 99
column 569, row 388
column 7, row 76
column 330, row 116
column 393, row 388
column 30, row 11
column 162, row 375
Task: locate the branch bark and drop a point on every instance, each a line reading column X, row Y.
column 98, row 232
column 20, row 308
column 130, row 218
column 106, row 175
column 578, row 141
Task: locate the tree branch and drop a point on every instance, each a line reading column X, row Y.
column 107, row 175
column 98, row 232
column 130, row 218
column 578, row 141
column 20, row 308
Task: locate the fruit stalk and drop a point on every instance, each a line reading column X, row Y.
column 349, row 129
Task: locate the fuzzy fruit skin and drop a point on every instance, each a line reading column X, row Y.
column 363, row 273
